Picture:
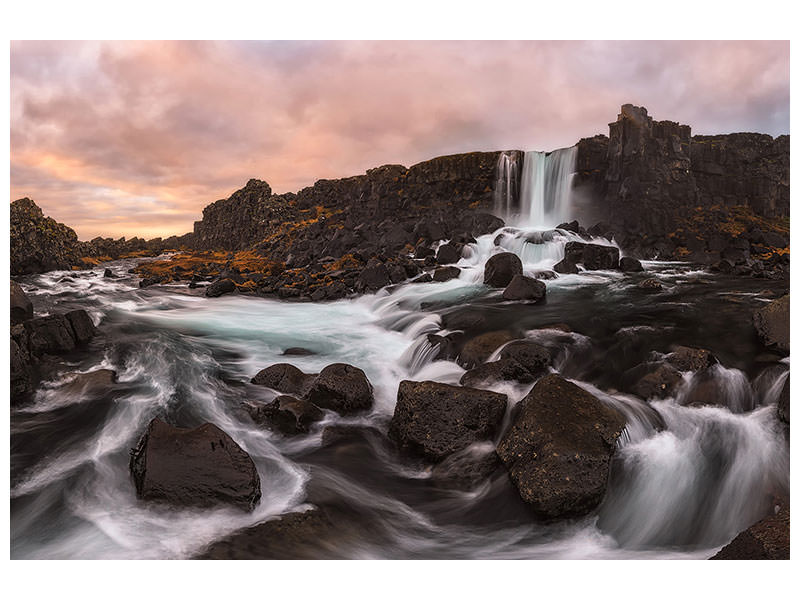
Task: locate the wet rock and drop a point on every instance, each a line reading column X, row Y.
column 545, row 274
column 768, row 539
column 218, row 288
column 397, row 274
column 478, row 350
column 558, row 450
column 772, row 323
column 783, row 402
column 525, row 288
column 109, row 274
column 20, row 373
column 684, row 358
column 448, row 253
column 424, row 278
column 658, row 380
column 433, row 420
column 50, row 335
column 285, row 378
column 501, row 268
column 628, row 264
column 82, row 327
column 464, row 319
column 565, row 267
column 201, row 467
column 148, row 281
column 297, row 351
column 467, row 469
column 286, row 414
column 534, row 357
column 593, row 256
column 92, row 383
column 446, row 273
column 650, row 285
column 499, row 370
column 342, row 388
column 21, row 306
column 374, row 277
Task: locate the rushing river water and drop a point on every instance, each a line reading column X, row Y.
column 684, row 482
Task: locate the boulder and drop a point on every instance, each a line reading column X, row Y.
column 446, row 273
column 592, row 256
column 286, row 414
column 297, row 351
column 201, row 467
column 52, row 334
column 525, row 288
column 109, row 274
column 82, row 327
column 478, row 350
column 499, row 370
column 768, row 539
column 501, row 268
column 285, row 378
column 657, row 380
column 628, row 264
column 342, row 388
column 433, row 420
column 772, row 323
column 684, row 358
column 218, row 288
column 558, row 450
column 448, row 253
column 565, row 267
column 21, row 306
column 374, row 276
column 534, row 357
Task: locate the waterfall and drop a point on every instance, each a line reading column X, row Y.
column 546, row 184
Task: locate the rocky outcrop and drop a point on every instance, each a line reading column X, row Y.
column 558, row 450
column 200, row 467
column 433, row 420
column 39, row 243
column 21, row 305
column 772, row 323
column 766, row 540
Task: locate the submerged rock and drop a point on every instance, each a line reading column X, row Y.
column 501, row 268
column 201, row 467
column 446, row 273
column 342, row 388
column 466, row 469
column 433, row 420
column 525, row 288
column 21, row 306
column 285, row 378
column 286, row 414
column 558, row 450
column 772, row 323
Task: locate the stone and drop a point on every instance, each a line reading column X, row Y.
column 478, row 350
column 558, row 450
column 52, row 334
column 285, row 378
column 286, row 414
column 659, row 381
column 21, row 306
column 218, row 288
column 628, row 264
column 374, row 277
column 501, row 268
column 109, row 274
column 534, row 357
column 82, row 327
column 446, row 273
column 772, row 323
column 525, row 288
column 448, row 253
column 499, row 370
column 201, row 467
column 297, row 351
column 650, row 285
column 433, row 420
column 684, row 358
column 565, row 267
column 342, row 388
column 768, row 539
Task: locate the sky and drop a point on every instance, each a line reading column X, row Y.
column 136, row 138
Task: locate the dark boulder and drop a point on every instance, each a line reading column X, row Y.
column 285, row 378
column 501, row 268
column 465, row 319
column 342, row 388
column 50, row 335
column 193, row 467
column 286, row 414
column 433, row 420
column 597, row 257
column 478, row 350
column 21, row 306
column 654, row 380
column 558, row 450
column 20, row 373
column 297, row 351
column 628, row 264
column 534, row 357
column 218, row 288
column 565, row 267
column 768, row 539
column 374, row 276
column 446, row 273
column 448, row 253
column 499, row 370
column 148, row 281
column 684, row 358
column 82, row 327
column 109, row 274
column 772, row 323
column 424, row 278
column 525, row 288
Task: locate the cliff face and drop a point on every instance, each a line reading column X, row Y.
column 39, row 243
column 652, row 177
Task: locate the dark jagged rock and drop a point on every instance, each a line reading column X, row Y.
column 433, row 420
column 565, row 267
column 501, row 268
column 525, row 288
column 21, row 306
column 500, row 370
column 374, row 277
column 592, row 256
column 766, row 540
column 534, row 357
column 558, row 450
column 148, row 281
column 285, row 378
column 628, row 264
column 448, row 253
column 193, row 467
column 684, row 358
column 109, row 274
column 218, row 288
column 39, row 243
column 20, row 373
column 83, row 329
column 653, row 380
column 342, row 388
column 296, row 351
column 286, row 414
column 478, row 350
column 772, row 323
column 50, row 335
column 446, row 273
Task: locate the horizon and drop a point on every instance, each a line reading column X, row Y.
column 136, row 138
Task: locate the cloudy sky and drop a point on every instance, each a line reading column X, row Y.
column 135, row 138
